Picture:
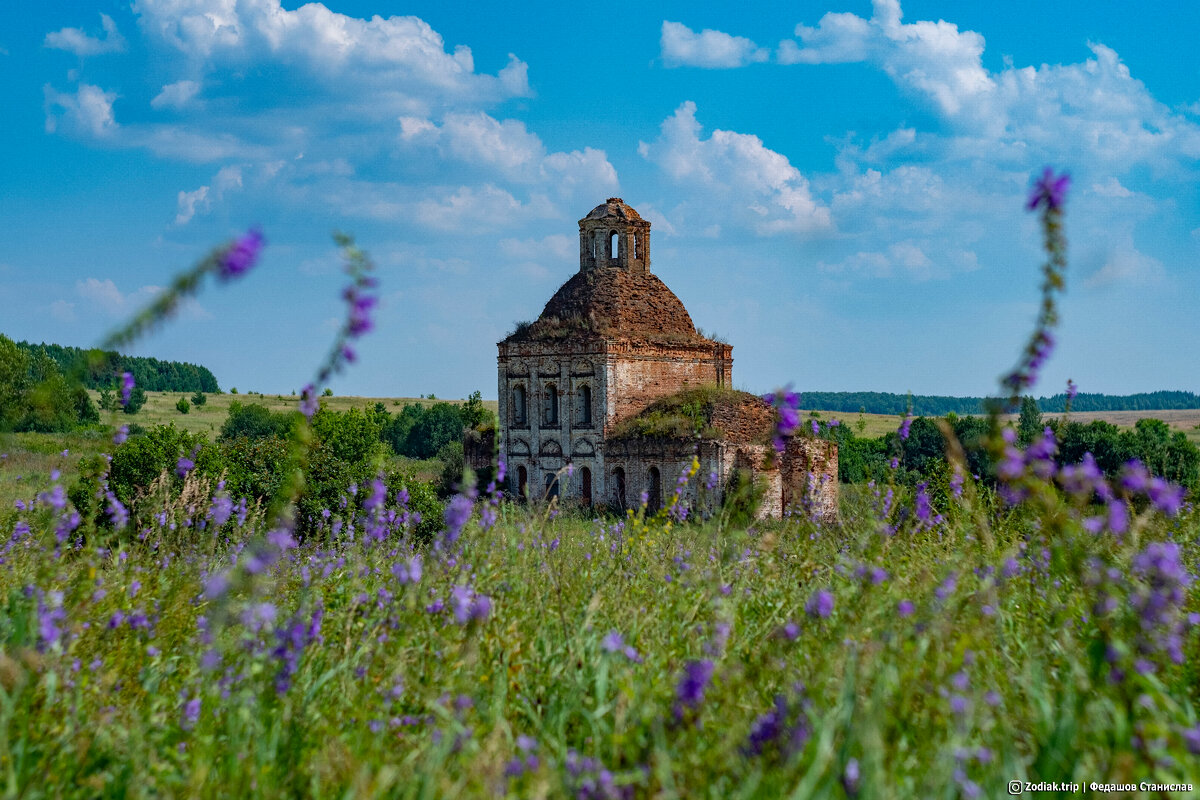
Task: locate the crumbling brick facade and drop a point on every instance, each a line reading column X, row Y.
column 611, row 341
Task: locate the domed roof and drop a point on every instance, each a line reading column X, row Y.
column 614, row 207
column 613, row 303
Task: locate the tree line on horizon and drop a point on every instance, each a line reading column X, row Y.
column 102, row 367
column 939, row 406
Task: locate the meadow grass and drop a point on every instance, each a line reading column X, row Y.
column 128, row 671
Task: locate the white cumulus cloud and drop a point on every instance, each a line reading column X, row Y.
column 736, row 173
column 74, row 40
column 88, row 111
column 683, row 47
column 176, row 95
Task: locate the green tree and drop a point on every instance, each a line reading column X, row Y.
column 199, row 398
column 137, row 399
column 1029, row 423
column 183, row 405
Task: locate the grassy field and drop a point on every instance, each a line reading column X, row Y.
column 885, row 656
column 874, row 425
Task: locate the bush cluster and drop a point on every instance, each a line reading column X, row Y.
column 253, row 456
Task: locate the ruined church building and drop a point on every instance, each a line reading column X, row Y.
column 612, row 355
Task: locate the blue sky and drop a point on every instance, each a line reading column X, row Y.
column 835, row 188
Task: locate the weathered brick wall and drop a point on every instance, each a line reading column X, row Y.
column 479, row 449
column 748, row 421
column 641, row 372
column 810, row 477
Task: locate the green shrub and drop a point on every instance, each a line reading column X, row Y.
column 183, row 406
column 143, row 458
column 451, row 456
column 199, row 398
column 254, row 421
column 254, row 466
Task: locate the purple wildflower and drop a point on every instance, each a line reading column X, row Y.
column 1160, row 603
column 1049, row 190
column 121, row 435
column 1191, row 738
column 241, row 255
column 820, row 605
column 191, row 713
column 309, row 404
column 50, row 619
column 787, row 404
column 183, row 466
column 468, row 605
column 221, row 509
column 126, row 387
column 458, row 512
column 689, row 692
column 291, row 640
column 850, row 777
column 924, row 509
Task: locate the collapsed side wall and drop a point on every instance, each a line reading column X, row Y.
column 810, row 477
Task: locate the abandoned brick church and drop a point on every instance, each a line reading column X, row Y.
column 614, row 380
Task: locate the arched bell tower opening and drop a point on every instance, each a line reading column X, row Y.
column 614, row 235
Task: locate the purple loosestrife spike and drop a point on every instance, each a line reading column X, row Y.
column 241, row 255
column 184, row 466
column 1049, row 190
column 126, row 387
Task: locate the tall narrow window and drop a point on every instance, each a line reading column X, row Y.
column 551, row 485
column 592, row 243
column 551, row 404
column 619, row 488
column 613, row 245
column 654, row 490
column 637, row 246
column 585, row 478
column 519, row 405
column 522, row 482
column 585, row 405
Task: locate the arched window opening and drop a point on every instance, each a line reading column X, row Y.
column 619, row 488
column 551, row 485
column 522, row 482
column 614, row 245
column 519, row 405
column 585, row 405
column 551, row 404
column 585, row 478
column 637, row 246
column 654, row 492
